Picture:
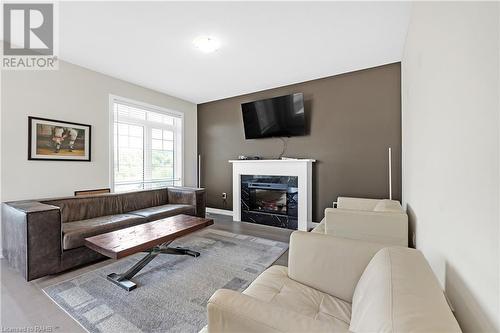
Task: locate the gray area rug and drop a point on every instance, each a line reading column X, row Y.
column 172, row 291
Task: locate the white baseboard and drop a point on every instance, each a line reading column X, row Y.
column 219, row 211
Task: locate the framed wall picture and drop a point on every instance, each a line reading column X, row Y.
column 56, row 140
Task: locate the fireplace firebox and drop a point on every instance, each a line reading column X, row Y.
column 269, row 200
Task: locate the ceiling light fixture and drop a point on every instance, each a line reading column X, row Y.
column 206, row 44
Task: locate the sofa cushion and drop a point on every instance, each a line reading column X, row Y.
column 90, row 206
column 398, row 292
column 160, row 212
column 275, row 287
column 143, row 199
column 74, row 233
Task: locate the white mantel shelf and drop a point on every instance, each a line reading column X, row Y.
column 274, row 161
column 300, row 168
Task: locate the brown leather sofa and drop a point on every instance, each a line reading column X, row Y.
column 42, row 237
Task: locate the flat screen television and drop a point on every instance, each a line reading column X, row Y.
column 274, row 117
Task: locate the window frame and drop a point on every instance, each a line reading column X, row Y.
column 147, row 107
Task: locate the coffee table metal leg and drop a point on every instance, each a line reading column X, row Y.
column 123, row 280
column 180, row 251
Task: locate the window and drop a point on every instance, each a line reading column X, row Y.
column 147, row 146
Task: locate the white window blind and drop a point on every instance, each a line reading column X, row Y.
column 147, row 147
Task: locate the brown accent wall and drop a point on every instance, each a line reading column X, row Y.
column 352, row 118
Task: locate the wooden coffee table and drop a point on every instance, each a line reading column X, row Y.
column 153, row 237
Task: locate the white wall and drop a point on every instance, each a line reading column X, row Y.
column 450, row 77
column 73, row 94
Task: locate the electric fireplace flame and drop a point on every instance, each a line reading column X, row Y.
column 273, row 201
column 269, row 200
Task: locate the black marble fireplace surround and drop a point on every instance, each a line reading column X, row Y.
column 270, row 200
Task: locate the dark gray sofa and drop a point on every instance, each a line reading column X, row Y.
column 42, row 237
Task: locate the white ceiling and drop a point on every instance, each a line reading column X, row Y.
column 264, row 44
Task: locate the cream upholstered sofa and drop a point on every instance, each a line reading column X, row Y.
column 374, row 220
column 337, row 285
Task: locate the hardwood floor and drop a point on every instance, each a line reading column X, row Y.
column 24, row 305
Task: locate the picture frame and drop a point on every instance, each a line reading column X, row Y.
column 58, row 140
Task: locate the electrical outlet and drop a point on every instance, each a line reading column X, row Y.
column 224, row 195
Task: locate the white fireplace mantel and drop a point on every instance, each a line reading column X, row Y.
column 301, row 168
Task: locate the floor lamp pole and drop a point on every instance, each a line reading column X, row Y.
column 199, row 170
column 390, row 173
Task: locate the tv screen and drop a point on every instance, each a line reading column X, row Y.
column 274, row 117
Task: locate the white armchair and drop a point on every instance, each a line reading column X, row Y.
column 381, row 221
column 337, row 285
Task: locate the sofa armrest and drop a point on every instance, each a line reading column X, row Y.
column 230, row 311
column 330, row 264
column 382, row 227
column 31, row 237
column 320, row 228
column 188, row 196
column 357, row 203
